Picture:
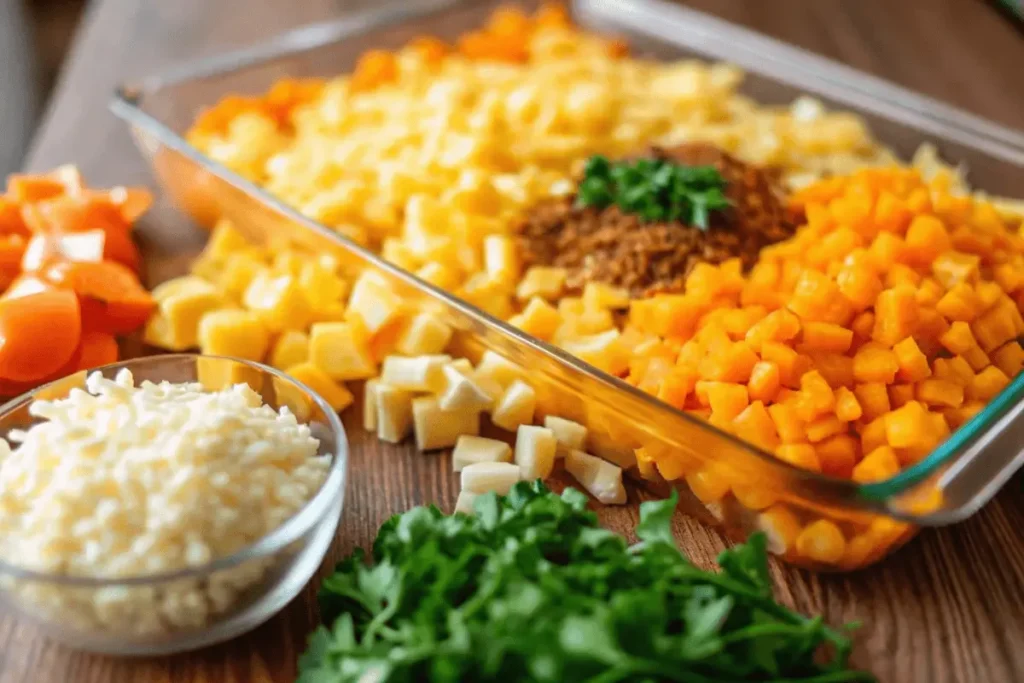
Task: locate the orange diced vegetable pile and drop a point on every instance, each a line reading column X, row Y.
column 69, row 275
column 856, row 346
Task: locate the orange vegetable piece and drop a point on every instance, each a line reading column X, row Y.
column 818, row 336
column 755, row 425
column 940, row 392
column 860, row 285
column 726, row 400
column 11, row 222
column 997, row 326
column 733, row 363
column 1009, row 358
column 788, row 424
column 112, row 300
column 953, row 267
column 777, row 326
column 836, row 368
column 838, row 454
column 926, row 238
column 12, row 248
column 896, row 312
column 764, row 381
column 847, row 406
column 872, row 435
column 816, row 396
column 913, row 364
column 873, row 363
column 900, row 394
column 908, row 426
column 800, row 455
column 787, row 360
column 873, row 398
column 878, row 465
column 25, row 189
column 677, row 386
column 96, row 349
column 959, row 303
column 824, row 427
column 986, row 384
column 374, row 68
column 38, row 334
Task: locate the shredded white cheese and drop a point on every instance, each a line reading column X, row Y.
column 120, row 481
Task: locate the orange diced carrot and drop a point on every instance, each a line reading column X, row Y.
column 732, row 364
column 764, row 381
column 838, row 454
column 786, row 359
column 886, row 250
column 896, row 313
column 873, row 398
column 816, row 396
column 956, row 417
column 997, row 326
column 875, row 364
column 374, row 68
column 777, row 326
column 953, row 267
column 908, row 426
column 677, row 386
column 929, row 292
column 959, row 303
column 878, row 465
column 958, row 339
column 872, row 435
column 926, row 238
column 940, row 392
column 862, row 325
column 1009, row 358
column 756, row 426
column 912, row 362
column 900, row 394
column 986, row 384
column 787, row 423
column 904, row 275
column 818, row 336
column 725, row 400
column 817, row 297
column 847, row 407
column 800, row 455
column 824, row 427
column 836, row 368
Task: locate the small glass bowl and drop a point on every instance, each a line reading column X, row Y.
column 195, row 607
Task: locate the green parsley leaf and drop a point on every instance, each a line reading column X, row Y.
column 532, row 589
column 654, row 189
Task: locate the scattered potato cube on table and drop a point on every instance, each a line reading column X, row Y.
column 279, row 300
column 336, row 394
column 394, row 413
column 374, row 302
column 535, row 451
column 464, row 503
column 370, row 405
column 421, row 373
column 470, row 449
column 498, row 368
column 462, row 393
column 601, row 478
column 484, row 477
column 570, row 435
column 436, row 428
column 423, row 335
column 515, row 407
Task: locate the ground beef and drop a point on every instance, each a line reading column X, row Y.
column 606, row 245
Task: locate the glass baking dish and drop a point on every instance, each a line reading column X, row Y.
column 722, row 479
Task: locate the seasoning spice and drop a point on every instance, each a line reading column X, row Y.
column 646, row 257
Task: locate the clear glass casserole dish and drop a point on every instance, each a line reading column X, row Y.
column 811, row 519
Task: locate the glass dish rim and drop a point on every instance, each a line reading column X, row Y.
column 306, row 518
column 938, row 118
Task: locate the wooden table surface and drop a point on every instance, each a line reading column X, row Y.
column 949, row 607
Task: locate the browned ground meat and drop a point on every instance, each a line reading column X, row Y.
column 606, row 245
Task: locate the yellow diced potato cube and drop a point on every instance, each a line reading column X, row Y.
column 394, row 413
column 501, row 260
column 571, row 436
column 439, row 275
column 374, row 302
column 322, row 286
column 437, row 428
column 460, row 392
column 599, row 296
column 224, row 241
column 421, row 373
column 470, row 449
column 604, row 351
column 279, row 301
column 340, row 350
column 370, row 405
column 239, row 272
column 539, row 318
column 287, row 262
column 336, row 394
column 329, row 313
column 594, row 321
column 543, row 281
column 485, row 477
column 291, row 348
column 178, row 324
column 535, row 451
column 464, row 503
column 233, row 333
column 394, row 250
column 186, row 284
column 515, row 407
column 423, row 335
column 424, row 215
column 497, row 368
column 600, row 478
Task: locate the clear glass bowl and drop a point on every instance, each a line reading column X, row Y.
column 159, row 613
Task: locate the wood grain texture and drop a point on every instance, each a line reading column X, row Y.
column 947, row 608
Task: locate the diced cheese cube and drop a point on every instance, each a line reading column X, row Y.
column 423, row 335
column 598, row 296
column 370, row 405
column 462, row 365
column 543, row 281
column 291, row 348
column 464, row 503
column 187, row 284
column 500, row 258
column 462, row 393
column 322, row 286
column 436, row 428
column 421, row 373
column 604, row 351
column 233, row 333
column 471, row 449
column 535, row 451
column 394, row 413
column 374, row 302
column 336, row 394
column 539, row 318
column 177, row 326
column 601, row 478
column 279, row 300
column 515, row 407
column 570, row 435
column 484, row 477
column 497, row 368
column 340, row 350
column 439, row 275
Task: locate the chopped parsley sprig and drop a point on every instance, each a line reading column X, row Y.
column 530, row 588
column 654, row 189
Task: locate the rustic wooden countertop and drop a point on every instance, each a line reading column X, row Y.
column 948, row 607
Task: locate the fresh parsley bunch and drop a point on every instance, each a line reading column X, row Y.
column 531, row 589
column 654, row 189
